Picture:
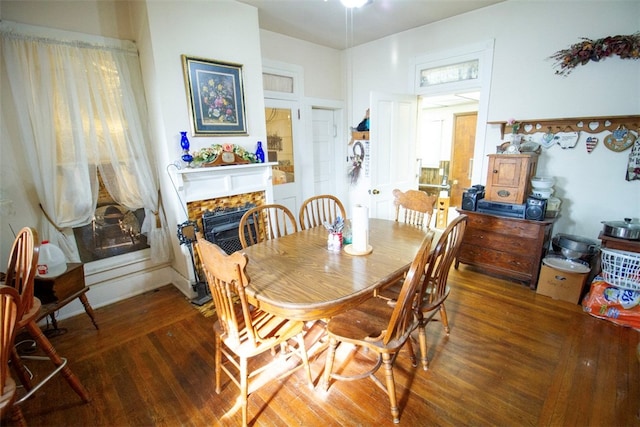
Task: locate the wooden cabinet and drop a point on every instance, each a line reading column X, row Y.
column 509, row 247
column 619, row 244
column 509, row 177
column 56, row 292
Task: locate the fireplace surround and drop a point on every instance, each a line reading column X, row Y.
column 210, row 189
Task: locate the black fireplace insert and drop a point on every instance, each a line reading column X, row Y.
column 220, row 226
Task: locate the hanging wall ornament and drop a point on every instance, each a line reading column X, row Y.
column 620, row 139
column 566, row 139
column 547, row 139
column 587, row 50
column 633, row 167
column 592, row 141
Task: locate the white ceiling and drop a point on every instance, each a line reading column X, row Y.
column 324, row 22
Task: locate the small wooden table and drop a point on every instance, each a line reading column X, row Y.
column 296, row 277
column 56, row 292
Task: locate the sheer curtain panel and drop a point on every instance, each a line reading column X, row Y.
column 81, row 109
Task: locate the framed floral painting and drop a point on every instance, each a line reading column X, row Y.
column 216, row 97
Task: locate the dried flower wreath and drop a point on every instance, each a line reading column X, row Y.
column 626, row 47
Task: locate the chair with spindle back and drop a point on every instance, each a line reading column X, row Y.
column 380, row 328
column 317, row 210
column 20, row 276
column 9, row 313
column 435, row 288
column 242, row 331
column 264, row 223
column 414, row 207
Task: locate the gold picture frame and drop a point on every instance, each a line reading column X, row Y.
column 215, row 95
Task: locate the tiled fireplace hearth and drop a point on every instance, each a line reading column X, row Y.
column 216, row 188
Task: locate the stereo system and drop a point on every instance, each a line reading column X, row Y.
column 471, row 196
column 501, row 209
column 536, row 208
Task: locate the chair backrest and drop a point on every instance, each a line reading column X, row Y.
column 414, row 207
column 21, row 270
column 227, row 280
column 264, row 223
column 401, row 322
column 9, row 314
column 434, row 287
column 319, row 209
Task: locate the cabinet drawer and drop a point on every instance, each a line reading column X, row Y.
column 499, row 242
column 511, row 227
column 506, row 195
column 508, row 262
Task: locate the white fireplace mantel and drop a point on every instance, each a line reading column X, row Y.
column 221, row 181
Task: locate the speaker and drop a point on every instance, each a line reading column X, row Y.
column 536, row 208
column 470, row 199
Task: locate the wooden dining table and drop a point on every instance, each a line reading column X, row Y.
column 297, row 277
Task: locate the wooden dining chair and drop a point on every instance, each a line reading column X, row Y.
column 380, row 328
column 9, row 313
column 264, row 223
column 434, row 289
column 317, row 210
column 20, row 276
column 414, row 207
column 243, row 331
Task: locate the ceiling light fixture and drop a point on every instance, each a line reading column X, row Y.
column 354, row 3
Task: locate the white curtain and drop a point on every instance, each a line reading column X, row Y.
column 81, row 109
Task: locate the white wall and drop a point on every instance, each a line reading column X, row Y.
column 524, row 86
column 322, row 66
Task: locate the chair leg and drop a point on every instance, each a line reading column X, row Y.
column 331, row 353
column 391, row 386
column 412, row 354
column 20, row 370
column 218, row 362
column 443, row 317
column 17, row 418
column 422, row 337
column 244, row 388
column 66, row 372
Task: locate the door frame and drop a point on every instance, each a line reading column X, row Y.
column 483, row 51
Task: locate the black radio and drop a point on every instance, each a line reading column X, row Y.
column 471, row 196
column 501, row 209
column 536, row 208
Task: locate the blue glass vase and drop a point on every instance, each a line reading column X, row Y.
column 184, row 143
column 260, row 153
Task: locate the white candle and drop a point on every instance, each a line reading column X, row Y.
column 360, row 228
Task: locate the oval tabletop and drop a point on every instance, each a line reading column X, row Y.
column 297, row 277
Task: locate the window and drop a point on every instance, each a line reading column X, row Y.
column 114, row 230
column 450, row 73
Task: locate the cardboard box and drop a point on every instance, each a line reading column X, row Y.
column 561, row 285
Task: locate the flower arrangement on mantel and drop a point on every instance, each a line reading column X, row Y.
column 626, row 47
column 207, row 156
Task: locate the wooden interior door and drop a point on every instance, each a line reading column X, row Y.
column 464, row 141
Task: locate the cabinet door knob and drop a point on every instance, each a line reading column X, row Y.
column 495, row 171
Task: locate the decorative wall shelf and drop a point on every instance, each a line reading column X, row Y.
column 582, row 124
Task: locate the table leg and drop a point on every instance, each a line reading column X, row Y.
column 88, row 309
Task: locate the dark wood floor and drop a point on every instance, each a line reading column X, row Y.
column 513, row 358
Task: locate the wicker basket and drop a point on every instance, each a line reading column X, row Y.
column 621, row 268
